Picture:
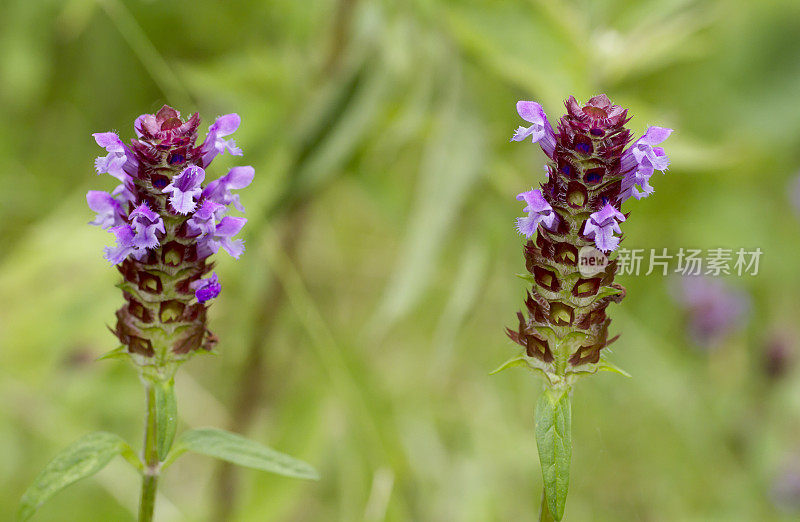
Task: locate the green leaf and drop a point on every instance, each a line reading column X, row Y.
column 120, row 352
column 520, row 360
column 554, row 439
column 236, row 449
column 166, row 416
column 607, row 366
column 527, row 277
column 83, row 458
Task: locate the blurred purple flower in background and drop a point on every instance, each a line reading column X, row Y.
column 785, row 490
column 714, row 309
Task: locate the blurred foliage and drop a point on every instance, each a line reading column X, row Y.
column 379, row 133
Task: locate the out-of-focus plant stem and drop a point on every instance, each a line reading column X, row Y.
column 147, row 500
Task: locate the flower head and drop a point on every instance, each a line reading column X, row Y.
column 206, row 289
column 184, row 188
column 602, row 225
column 539, row 211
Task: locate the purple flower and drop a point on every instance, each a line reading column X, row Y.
column 206, row 289
column 640, row 160
column 214, row 143
column 109, row 207
column 203, row 223
column 184, row 188
column 540, row 129
column 219, row 190
column 714, row 308
column 125, row 246
column 145, row 224
column 221, row 238
column 538, row 211
column 785, row 490
column 602, row 225
column 118, row 158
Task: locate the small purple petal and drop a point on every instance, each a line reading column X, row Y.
column 540, row 131
column 119, row 158
column 109, row 210
column 225, row 229
column 538, row 209
column 602, row 225
column 184, row 188
column 219, row 190
column 203, row 224
column 640, row 160
column 145, row 224
column 206, row 289
column 214, row 144
column 715, row 309
column 124, row 247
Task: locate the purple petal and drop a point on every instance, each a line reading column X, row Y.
column 655, row 135
column 219, row 190
column 206, row 289
column 124, row 247
column 109, row 210
column 214, row 143
column 602, row 225
column 184, row 188
column 540, row 129
column 539, row 211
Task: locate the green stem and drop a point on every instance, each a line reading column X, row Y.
column 544, row 512
column 147, row 501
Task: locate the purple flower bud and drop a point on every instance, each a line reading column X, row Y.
column 219, row 190
column 538, row 211
column 214, row 144
column 206, row 289
column 602, row 225
column 184, row 188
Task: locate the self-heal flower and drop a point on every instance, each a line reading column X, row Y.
column 118, row 156
column 222, row 238
column 145, row 224
column 174, row 225
column 202, row 224
column 602, row 225
column 214, row 143
column 539, row 211
column 564, row 325
column 714, row 309
column 539, row 131
column 206, row 289
column 640, row 160
column 219, row 190
column 184, row 188
column 110, row 210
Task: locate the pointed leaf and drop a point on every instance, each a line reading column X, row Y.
column 607, row 366
column 238, row 450
column 83, row 458
column 512, row 363
column 554, row 440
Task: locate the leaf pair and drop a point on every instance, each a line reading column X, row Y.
column 92, row 452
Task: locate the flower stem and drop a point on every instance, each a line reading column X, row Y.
column 147, row 501
column 544, row 512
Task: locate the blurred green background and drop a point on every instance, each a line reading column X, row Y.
column 358, row 330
